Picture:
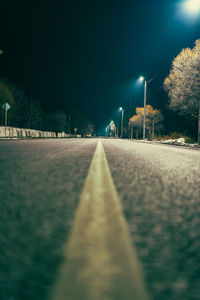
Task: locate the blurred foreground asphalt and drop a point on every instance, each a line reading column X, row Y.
column 40, row 186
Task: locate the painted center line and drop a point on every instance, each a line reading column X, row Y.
column 100, row 260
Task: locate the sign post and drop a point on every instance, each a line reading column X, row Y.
column 6, row 107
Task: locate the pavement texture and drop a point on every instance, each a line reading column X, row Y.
column 100, row 259
column 41, row 184
column 159, row 187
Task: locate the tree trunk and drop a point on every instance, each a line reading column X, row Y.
column 153, row 128
column 199, row 127
column 137, row 133
column 131, row 132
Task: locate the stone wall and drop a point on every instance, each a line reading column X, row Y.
column 24, row 133
column 12, row 132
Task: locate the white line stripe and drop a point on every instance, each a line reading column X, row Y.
column 100, row 260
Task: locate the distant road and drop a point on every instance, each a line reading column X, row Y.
column 99, row 219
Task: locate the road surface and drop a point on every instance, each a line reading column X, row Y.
column 99, row 219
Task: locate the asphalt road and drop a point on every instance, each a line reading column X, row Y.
column 142, row 199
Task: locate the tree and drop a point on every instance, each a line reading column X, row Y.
column 27, row 112
column 89, row 129
column 82, row 123
column 6, row 95
column 135, row 122
column 24, row 112
column 183, row 83
column 154, row 120
column 32, row 114
column 57, row 121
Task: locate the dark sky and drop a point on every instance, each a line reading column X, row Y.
column 86, row 55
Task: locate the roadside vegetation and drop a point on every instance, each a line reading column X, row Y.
column 183, row 84
column 154, row 125
column 26, row 112
column 177, row 135
column 183, row 88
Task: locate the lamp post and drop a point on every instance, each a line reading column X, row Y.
column 145, row 103
column 122, row 121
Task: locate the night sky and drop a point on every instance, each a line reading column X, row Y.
column 87, row 55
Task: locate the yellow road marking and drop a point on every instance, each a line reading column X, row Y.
column 100, row 260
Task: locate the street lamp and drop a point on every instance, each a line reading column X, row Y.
column 141, row 78
column 122, row 121
column 192, row 6
column 145, row 102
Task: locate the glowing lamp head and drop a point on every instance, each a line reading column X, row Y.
column 141, row 78
column 193, row 6
column 121, row 108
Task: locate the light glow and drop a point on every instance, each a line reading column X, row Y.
column 141, row 78
column 193, row 6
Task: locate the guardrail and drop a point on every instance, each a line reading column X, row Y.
column 12, row 132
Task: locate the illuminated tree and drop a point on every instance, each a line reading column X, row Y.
column 135, row 122
column 183, row 83
column 89, row 129
column 154, row 120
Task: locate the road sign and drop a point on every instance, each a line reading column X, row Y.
column 6, row 106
